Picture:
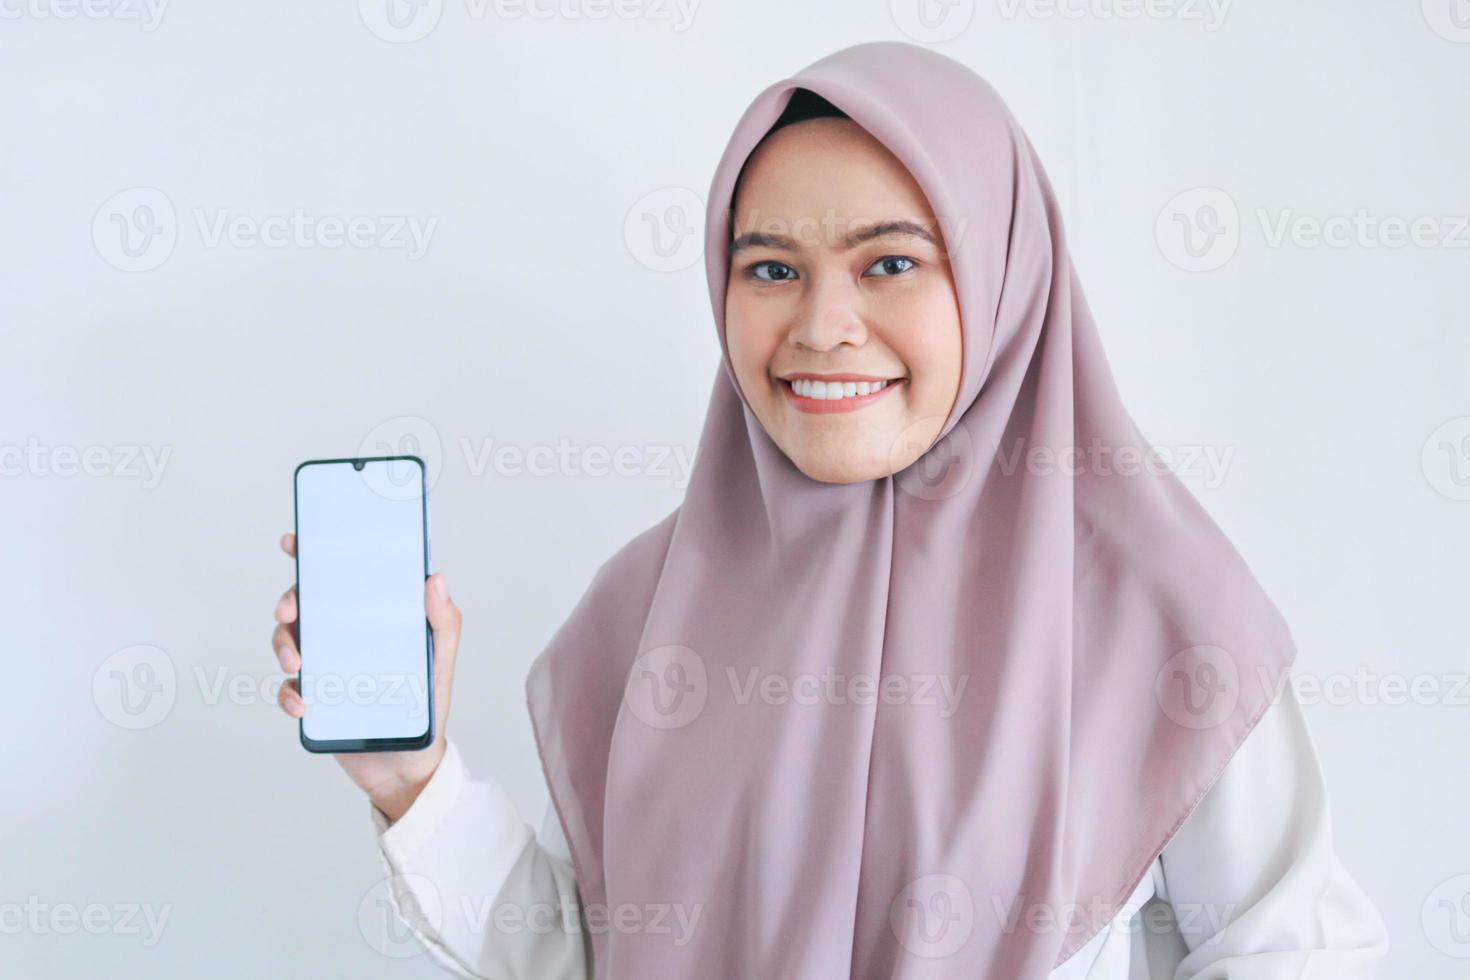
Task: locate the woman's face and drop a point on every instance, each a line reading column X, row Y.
column 819, row 308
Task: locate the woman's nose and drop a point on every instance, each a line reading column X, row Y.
column 831, row 316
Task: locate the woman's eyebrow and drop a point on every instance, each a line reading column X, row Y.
column 759, row 239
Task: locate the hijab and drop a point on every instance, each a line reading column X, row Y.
column 744, row 723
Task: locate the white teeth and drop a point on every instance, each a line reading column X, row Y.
column 834, row 390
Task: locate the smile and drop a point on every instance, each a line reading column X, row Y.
column 825, row 393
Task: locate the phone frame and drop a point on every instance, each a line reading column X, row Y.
column 406, row 744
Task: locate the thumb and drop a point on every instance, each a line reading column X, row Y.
column 444, row 620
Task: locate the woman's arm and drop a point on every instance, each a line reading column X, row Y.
column 494, row 901
column 1257, row 889
column 499, row 903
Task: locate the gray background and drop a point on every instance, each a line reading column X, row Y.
column 543, row 313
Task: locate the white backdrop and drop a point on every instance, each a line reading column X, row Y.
column 236, row 236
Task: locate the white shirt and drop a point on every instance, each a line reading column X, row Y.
column 1250, row 887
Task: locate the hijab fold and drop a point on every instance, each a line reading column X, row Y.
column 934, row 725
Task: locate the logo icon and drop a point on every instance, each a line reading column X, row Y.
column 942, row 470
column 1199, row 230
column 135, row 688
column 1446, row 917
column 1450, row 19
column 667, row 687
column 402, row 435
column 932, row 21
column 400, row 21
column 394, row 911
column 933, row 916
column 1198, row 687
column 1446, row 459
column 135, row 230
column 664, row 229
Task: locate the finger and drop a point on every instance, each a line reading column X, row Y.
column 290, row 700
column 445, row 620
column 288, row 544
column 285, row 644
column 286, row 608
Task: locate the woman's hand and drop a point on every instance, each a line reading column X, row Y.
column 392, row 780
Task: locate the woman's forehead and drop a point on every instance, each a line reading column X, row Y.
column 825, row 187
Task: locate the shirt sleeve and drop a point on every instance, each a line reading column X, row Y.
column 483, row 895
column 1258, row 892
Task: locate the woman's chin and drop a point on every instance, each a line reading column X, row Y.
column 842, row 467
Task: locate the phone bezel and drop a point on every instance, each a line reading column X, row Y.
column 405, row 744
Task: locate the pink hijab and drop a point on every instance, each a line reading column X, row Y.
column 934, row 725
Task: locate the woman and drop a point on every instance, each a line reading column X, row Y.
column 921, row 679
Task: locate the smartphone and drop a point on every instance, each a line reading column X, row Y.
column 367, row 652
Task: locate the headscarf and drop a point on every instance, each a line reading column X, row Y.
column 733, row 722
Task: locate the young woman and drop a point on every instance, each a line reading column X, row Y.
column 924, row 678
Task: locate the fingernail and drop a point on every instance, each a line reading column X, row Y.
column 441, row 588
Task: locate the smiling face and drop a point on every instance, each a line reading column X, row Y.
column 840, row 315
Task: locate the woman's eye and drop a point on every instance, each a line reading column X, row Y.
column 892, row 265
column 779, row 271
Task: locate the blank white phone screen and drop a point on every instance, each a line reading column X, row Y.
column 360, row 554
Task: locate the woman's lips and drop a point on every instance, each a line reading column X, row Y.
column 826, row 383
